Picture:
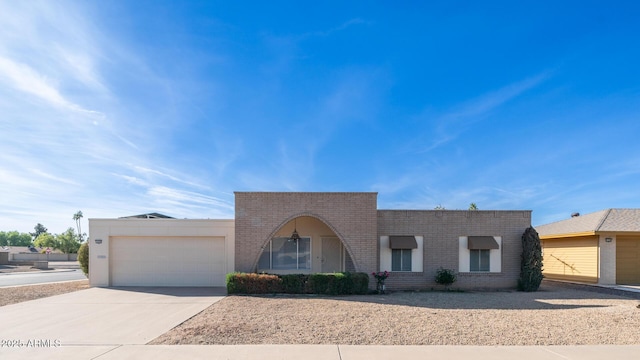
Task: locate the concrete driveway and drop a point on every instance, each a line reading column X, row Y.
column 100, row 316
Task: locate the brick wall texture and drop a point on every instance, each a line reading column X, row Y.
column 441, row 230
column 351, row 216
column 358, row 223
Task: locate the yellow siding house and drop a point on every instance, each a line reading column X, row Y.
column 602, row 247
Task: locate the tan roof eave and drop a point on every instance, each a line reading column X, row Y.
column 568, row 235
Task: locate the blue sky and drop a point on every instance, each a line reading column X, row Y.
column 124, row 107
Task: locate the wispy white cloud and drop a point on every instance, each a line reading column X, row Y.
column 165, row 194
column 131, row 179
column 458, row 119
column 82, row 66
column 144, row 170
column 24, row 78
column 47, row 176
column 345, row 25
column 56, row 138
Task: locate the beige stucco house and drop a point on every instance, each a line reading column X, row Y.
column 602, row 247
column 308, row 232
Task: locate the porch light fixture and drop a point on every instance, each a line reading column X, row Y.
column 295, row 236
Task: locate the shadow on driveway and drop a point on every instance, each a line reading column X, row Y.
column 175, row 291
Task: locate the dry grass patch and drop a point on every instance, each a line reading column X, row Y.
column 13, row 295
column 553, row 316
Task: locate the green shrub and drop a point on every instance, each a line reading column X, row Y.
column 360, row 283
column 445, row 277
column 232, row 286
column 318, row 284
column 294, row 283
column 83, row 258
column 251, row 283
column 531, row 261
column 345, row 283
column 324, row 284
column 340, row 284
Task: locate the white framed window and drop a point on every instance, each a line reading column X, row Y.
column 480, row 254
column 401, row 259
column 480, row 260
column 282, row 253
column 401, row 253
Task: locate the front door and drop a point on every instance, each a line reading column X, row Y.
column 331, row 255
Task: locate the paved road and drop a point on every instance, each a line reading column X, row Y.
column 29, row 278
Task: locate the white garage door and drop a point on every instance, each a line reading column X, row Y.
column 165, row 261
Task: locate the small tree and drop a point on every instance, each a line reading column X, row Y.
column 531, row 261
column 39, row 229
column 14, row 238
column 473, row 206
column 46, row 240
column 68, row 241
column 83, row 258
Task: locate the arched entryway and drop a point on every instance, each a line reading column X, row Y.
column 316, row 249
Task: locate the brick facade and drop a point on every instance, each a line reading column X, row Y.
column 441, row 230
column 351, row 216
column 355, row 219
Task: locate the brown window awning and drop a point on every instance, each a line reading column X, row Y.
column 402, row 242
column 482, row 243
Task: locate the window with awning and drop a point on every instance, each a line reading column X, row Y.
column 402, row 242
column 482, row 243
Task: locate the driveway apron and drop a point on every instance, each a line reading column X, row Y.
column 104, row 316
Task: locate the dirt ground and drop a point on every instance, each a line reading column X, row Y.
column 12, row 295
column 551, row 316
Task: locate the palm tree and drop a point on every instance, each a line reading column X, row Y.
column 77, row 216
column 473, row 206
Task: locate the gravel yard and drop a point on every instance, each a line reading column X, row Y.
column 552, row 316
column 12, row 295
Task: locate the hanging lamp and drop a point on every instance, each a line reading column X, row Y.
column 295, row 236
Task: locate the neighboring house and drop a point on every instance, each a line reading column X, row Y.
column 602, row 247
column 153, row 215
column 308, row 232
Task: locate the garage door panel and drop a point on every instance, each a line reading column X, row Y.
column 152, row 261
column 628, row 260
column 571, row 259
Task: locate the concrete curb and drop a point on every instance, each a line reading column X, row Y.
column 328, row 352
column 37, row 272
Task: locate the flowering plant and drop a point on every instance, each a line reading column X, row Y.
column 380, row 276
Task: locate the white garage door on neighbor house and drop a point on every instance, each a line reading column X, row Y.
column 162, row 261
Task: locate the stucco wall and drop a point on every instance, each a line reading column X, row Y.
column 607, row 261
column 105, row 229
column 441, row 230
column 351, row 216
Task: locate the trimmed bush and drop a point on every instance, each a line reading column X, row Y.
column 340, row 284
column 319, row 283
column 250, row 283
column 294, row 283
column 360, row 283
column 83, row 258
column 324, row 284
